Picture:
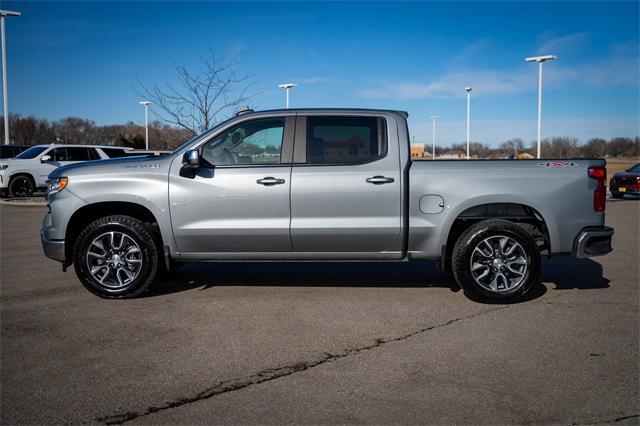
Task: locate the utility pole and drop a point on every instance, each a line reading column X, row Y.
column 286, row 87
column 433, row 149
column 540, row 60
column 146, row 123
column 468, row 89
column 5, row 91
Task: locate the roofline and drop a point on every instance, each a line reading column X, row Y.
column 305, row 110
column 51, row 145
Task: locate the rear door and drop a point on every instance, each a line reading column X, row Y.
column 237, row 205
column 346, row 187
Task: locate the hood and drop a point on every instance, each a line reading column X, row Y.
column 113, row 165
column 10, row 161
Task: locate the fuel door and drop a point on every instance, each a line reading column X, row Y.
column 431, row 204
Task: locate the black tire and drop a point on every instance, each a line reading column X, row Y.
column 494, row 230
column 617, row 194
column 21, row 186
column 148, row 255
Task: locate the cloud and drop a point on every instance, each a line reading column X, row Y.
column 619, row 68
column 452, row 84
column 550, row 44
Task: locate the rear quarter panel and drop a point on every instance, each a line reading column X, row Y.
column 563, row 196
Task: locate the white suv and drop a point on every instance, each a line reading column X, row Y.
column 22, row 175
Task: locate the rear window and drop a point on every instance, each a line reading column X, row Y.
column 332, row 140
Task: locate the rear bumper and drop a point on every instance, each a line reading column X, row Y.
column 625, row 189
column 53, row 249
column 593, row 241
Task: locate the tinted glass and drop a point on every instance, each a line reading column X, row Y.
column 93, row 154
column 6, row 152
column 635, row 169
column 78, row 154
column 253, row 142
column 114, row 152
column 32, row 152
column 344, row 139
column 60, row 154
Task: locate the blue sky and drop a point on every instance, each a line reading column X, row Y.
column 81, row 59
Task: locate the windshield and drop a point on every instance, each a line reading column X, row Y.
column 200, row 136
column 634, row 169
column 32, row 152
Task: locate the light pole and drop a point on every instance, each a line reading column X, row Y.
column 3, row 15
column 468, row 89
column 286, row 87
column 433, row 129
column 540, row 60
column 146, row 123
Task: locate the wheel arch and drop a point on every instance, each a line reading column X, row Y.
column 91, row 212
column 523, row 214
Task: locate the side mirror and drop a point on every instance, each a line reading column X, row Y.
column 45, row 158
column 190, row 163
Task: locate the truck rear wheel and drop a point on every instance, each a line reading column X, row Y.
column 116, row 257
column 496, row 260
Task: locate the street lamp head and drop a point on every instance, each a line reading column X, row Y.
column 145, row 103
column 9, row 13
column 541, row 58
column 434, row 117
column 468, row 89
column 287, row 85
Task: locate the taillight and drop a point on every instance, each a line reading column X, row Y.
column 599, row 173
column 638, row 182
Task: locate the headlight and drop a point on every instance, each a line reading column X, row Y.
column 3, row 166
column 56, row 185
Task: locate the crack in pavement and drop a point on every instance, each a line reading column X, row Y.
column 274, row 373
column 616, row 420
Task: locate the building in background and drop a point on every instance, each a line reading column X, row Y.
column 417, row 150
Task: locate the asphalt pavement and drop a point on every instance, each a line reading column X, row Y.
column 270, row 343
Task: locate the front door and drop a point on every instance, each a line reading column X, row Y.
column 346, row 187
column 238, row 201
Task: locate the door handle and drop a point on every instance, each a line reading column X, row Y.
column 380, row 180
column 270, row 181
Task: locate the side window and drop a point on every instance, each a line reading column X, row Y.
column 60, row 154
column 333, row 140
column 93, row 154
column 252, row 142
column 77, row 154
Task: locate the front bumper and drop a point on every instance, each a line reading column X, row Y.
column 53, row 249
column 593, row 241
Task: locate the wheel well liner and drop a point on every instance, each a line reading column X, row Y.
column 87, row 214
column 526, row 216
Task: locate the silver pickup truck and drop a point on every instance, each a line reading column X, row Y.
column 321, row 185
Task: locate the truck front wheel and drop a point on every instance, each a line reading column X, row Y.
column 116, row 257
column 496, row 260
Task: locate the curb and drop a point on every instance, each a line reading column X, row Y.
column 27, row 202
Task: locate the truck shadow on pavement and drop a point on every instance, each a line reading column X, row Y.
column 564, row 274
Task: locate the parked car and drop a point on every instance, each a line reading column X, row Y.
column 627, row 182
column 321, row 184
column 10, row 151
column 28, row 171
column 147, row 152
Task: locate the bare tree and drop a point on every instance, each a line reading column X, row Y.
column 199, row 97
